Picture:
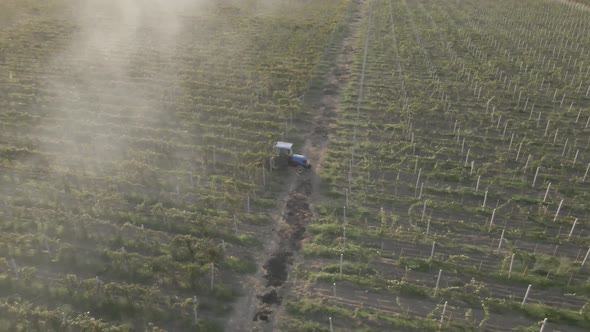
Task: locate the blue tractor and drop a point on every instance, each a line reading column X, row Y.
column 284, row 157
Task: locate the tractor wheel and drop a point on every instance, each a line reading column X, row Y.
column 300, row 170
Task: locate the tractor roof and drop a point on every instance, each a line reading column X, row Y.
column 283, row 145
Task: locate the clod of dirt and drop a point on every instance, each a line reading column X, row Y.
column 270, row 297
column 276, row 268
column 296, row 202
column 262, row 312
column 297, row 215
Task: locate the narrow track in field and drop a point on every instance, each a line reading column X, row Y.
column 260, row 308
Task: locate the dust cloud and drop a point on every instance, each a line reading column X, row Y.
column 111, row 79
column 118, row 76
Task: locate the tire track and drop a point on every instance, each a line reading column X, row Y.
column 260, row 308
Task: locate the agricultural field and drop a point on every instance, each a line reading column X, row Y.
column 456, row 180
column 450, row 186
column 133, row 141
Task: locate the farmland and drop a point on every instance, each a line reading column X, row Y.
column 456, row 178
column 132, row 148
column 449, row 140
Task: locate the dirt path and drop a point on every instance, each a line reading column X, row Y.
column 259, row 308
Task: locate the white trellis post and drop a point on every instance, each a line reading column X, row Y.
column 558, row 209
column 510, row 268
column 15, row 268
column 518, row 152
column 331, row 326
column 437, row 282
column 195, row 305
column 346, row 193
column 543, row 325
column 586, row 257
column 526, row 164
column 546, row 192
column 432, row 251
column 442, row 316
column 572, row 230
column 341, row 262
column 492, row 220
column 536, row 174
column 500, row 243
column 212, row 275
column 417, row 181
column 145, row 241
column 526, row 295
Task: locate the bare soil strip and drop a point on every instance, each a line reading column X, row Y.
column 259, row 308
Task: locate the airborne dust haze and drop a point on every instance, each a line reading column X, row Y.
column 116, row 91
column 111, row 79
column 120, row 73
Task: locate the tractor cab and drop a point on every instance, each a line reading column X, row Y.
column 283, row 149
column 284, row 157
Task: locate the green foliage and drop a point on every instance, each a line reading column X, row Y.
column 240, row 264
column 135, row 175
